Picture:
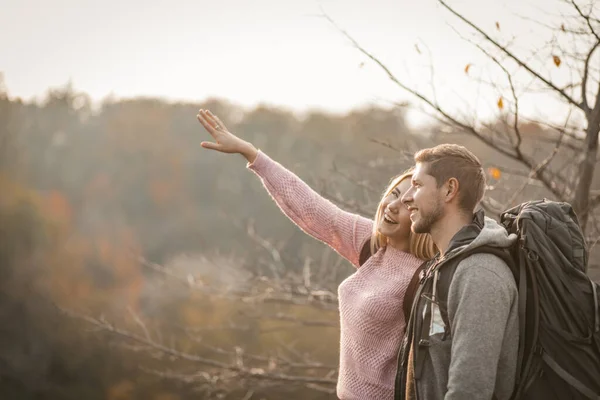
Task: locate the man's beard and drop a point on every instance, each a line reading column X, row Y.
column 426, row 222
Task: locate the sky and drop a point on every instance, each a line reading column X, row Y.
column 276, row 52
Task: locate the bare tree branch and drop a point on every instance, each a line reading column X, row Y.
column 141, row 324
column 512, row 56
column 593, row 203
column 404, row 153
column 277, row 265
column 584, row 85
column 426, row 100
column 360, row 183
column 587, row 19
column 298, row 321
column 533, row 172
column 255, row 373
column 273, row 361
column 562, row 28
column 516, row 129
column 262, row 290
column 516, row 155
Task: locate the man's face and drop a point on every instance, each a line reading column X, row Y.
column 424, row 200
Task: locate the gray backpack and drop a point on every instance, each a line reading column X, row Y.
column 559, row 317
column 559, row 351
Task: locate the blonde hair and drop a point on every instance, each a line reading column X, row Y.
column 420, row 244
column 447, row 161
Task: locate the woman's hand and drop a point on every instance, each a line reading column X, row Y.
column 225, row 141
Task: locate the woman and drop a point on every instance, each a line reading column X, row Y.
column 372, row 322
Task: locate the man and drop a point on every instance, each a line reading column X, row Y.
column 463, row 335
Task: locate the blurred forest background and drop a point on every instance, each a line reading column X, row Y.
column 136, row 265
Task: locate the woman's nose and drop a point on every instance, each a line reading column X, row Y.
column 395, row 205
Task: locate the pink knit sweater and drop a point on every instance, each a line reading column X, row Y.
column 370, row 300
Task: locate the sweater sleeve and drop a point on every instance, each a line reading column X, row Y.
column 343, row 231
column 480, row 299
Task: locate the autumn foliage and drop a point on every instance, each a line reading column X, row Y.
column 116, row 214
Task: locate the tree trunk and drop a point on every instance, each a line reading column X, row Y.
column 586, row 170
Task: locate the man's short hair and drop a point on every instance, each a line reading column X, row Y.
column 447, row 161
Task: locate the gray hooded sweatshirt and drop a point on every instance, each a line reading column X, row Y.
column 475, row 357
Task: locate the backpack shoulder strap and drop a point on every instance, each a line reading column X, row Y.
column 411, row 290
column 447, row 273
column 365, row 252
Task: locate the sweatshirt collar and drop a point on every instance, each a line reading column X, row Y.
column 467, row 233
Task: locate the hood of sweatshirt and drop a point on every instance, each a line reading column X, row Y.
column 482, row 231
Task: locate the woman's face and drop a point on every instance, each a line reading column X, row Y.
column 395, row 220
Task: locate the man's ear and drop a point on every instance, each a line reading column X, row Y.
column 451, row 190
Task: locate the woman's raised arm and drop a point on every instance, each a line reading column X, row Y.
column 343, row 231
column 225, row 141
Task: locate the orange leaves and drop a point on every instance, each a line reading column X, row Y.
column 95, row 269
column 123, row 390
column 58, row 207
column 494, row 172
column 467, row 67
column 556, row 60
column 117, row 253
column 500, row 103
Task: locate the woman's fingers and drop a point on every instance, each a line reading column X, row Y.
column 210, row 128
column 219, row 122
column 206, row 124
column 209, row 118
column 212, row 119
column 226, row 142
column 211, row 146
